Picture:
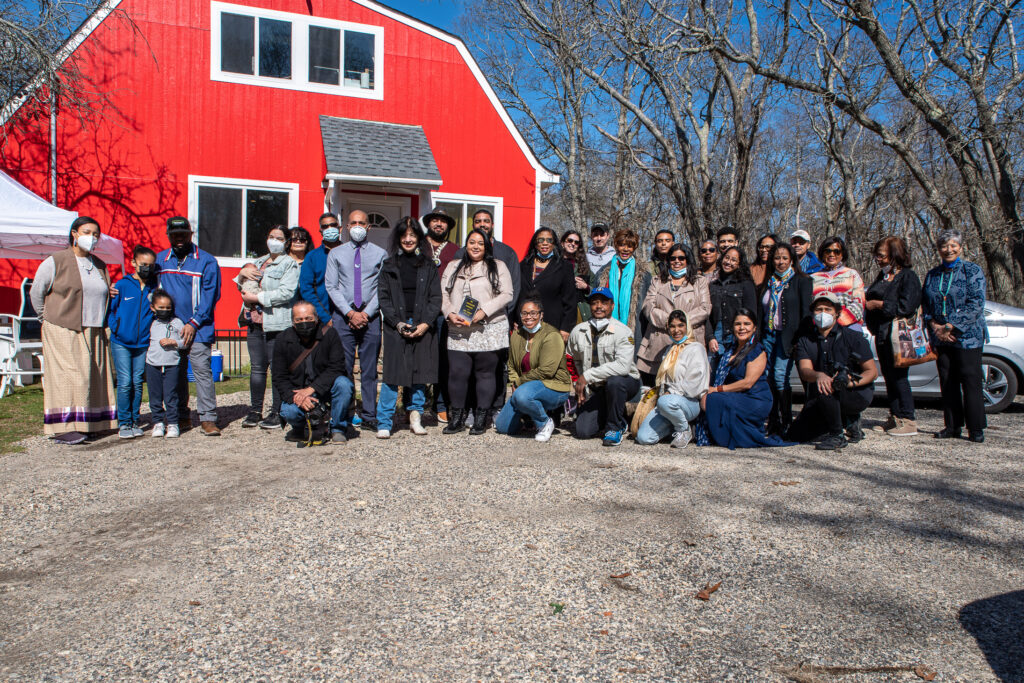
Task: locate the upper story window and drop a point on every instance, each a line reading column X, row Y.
column 282, row 50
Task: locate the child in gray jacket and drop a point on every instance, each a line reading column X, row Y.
column 162, row 359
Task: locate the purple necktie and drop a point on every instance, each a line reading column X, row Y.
column 357, row 286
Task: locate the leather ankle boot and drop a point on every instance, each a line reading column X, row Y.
column 479, row 422
column 456, row 421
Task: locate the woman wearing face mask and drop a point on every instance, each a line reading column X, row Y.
column 267, row 313
column 954, row 312
column 71, row 292
column 682, row 381
column 626, row 280
column 732, row 291
column 548, row 276
column 479, row 287
column 841, row 280
column 739, row 399
column 895, row 293
column 678, row 287
column 786, row 306
column 298, row 245
column 537, row 371
column 409, row 292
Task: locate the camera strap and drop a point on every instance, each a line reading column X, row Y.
column 302, row 356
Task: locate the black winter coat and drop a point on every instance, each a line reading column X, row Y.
column 556, row 287
column 900, row 299
column 328, row 360
column 728, row 296
column 409, row 361
column 795, row 304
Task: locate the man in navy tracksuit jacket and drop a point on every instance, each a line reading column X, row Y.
column 192, row 278
column 312, row 285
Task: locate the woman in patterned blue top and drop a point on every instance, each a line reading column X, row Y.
column 954, row 310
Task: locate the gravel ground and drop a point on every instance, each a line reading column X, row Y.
column 469, row 558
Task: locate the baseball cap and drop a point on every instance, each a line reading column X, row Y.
column 601, row 291
column 178, row 224
column 802, row 234
column 598, row 227
column 829, row 297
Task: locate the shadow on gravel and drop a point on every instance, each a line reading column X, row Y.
column 997, row 623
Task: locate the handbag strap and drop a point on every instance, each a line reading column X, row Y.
column 302, row 356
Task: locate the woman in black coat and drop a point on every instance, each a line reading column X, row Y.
column 550, row 278
column 409, row 291
column 785, row 311
column 732, row 291
column 895, row 293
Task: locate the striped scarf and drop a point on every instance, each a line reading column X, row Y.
column 777, row 285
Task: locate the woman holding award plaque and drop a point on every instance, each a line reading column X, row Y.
column 475, row 290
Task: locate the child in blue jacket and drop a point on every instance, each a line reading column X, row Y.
column 129, row 319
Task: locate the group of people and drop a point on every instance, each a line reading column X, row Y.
column 705, row 345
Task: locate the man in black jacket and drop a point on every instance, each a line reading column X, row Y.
column 317, row 378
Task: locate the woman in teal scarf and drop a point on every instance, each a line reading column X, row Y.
column 627, row 282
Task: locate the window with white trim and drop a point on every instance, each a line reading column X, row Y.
column 232, row 217
column 284, row 50
column 462, row 208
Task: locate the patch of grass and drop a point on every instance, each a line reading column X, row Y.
column 21, row 412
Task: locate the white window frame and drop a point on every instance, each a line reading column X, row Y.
column 300, row 52
column 466, row 200
column 194, row 181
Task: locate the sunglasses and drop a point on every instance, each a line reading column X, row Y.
column 545, row 240
column 674, row 259
column 330, row 225
column 299, row 239
column 571, row 242
column 710, row 250
column 832, row 251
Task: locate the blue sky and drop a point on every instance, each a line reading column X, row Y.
column 439, row 13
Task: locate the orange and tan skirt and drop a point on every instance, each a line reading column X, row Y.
column 78, row 387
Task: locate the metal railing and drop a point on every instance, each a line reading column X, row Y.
column 231, row 342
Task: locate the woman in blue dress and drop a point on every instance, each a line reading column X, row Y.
column 739, row 399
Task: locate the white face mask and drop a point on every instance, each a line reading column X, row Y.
column 533, row 330
column 275, row 246
column 357, row 233
column 824, row 320
column 599, row 325
column 86, row 242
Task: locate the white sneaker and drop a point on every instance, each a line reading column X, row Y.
column 173, row 432
column 415, row 423
column 681, row 439
column 158, row 429
column 544, row 433
column 383, row 434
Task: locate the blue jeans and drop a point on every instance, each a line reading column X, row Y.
column 531, row 399
column 341, row 396
column 673, row 413
column 130, row 366
column 779, row 366
column 388, row 398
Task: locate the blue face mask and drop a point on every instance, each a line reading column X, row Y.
column 624, row 262
column 951, row 264
column 331, row 235
column 546, row 256
column 677, row 273
column 784, row 273
column 685, row 337
column 533, row 330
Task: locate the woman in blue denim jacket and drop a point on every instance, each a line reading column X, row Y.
column 953, row 305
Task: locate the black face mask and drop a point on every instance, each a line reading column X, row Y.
column 145, row 272
column 306, row 329
column 182, row 251
column 164, row 315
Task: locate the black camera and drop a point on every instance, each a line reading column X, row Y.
column 318, row 423
column 841, row 376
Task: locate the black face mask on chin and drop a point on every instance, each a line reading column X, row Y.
column 183, row 250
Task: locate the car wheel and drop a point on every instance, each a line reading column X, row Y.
column 999, row 384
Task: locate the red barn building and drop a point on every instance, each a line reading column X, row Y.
column 246, row 114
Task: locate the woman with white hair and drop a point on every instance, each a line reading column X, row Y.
column 953, row 305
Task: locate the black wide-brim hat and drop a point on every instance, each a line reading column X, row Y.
column 438, row 213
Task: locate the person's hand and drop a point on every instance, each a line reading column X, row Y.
column 581, row 283
column 168, row 343
column 300, row 396
column 188, row 335
column 581, row 388
column 454, row 319
column 824, row 384
column 250, row 298
column 249, row 272
column 418, row 331
column 479, row 316
column 713, row 345
column 113, row 291
column 565, row 336
column 873, row 305
column 308, row 403
column 357, row 319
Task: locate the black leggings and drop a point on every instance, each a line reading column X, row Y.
column 482, row 366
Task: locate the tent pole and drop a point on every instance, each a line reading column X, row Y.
column 53, row 145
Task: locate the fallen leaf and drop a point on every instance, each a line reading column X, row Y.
column 623, row 575
column 925, row 673
column 785, row 483
column 603, row 632
column 607, row 614
column 194, row 603
column 705, row 592
column 531, row 546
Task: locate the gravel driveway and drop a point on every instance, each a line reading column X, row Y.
column 469, row 558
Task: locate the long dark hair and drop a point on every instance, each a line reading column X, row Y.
column 737, row 357
column 79, row 222
column 465, row 263
column 403, row 226
column 581, row 266
column 757, row 248
column 298, row 232
column 691, row 271
column 742, row 271
column 794, row 261
column 556, row 250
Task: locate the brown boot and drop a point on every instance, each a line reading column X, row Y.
column 904, row 427
column 209, row 429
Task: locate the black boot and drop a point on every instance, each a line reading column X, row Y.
column 479, row 422
column 456, row 421
column 786, row 409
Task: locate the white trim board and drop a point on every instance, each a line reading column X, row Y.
column 466, row 200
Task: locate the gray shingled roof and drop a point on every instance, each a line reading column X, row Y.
column 372, row 148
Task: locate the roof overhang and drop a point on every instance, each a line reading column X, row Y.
column 380, row 180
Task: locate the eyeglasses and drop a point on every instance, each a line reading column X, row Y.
column 709, row 250
column 545, row 240
column 765, row 247
column 529, row 314
column 330, row 225
column 832, row 251
column 677, row 259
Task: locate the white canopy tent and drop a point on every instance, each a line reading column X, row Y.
column 32, row 228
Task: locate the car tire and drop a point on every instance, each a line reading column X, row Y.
column 999, row 384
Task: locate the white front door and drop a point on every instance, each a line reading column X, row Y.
column 383, row 211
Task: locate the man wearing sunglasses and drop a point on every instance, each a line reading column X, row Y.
column 314, row 268
column 800, row 240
